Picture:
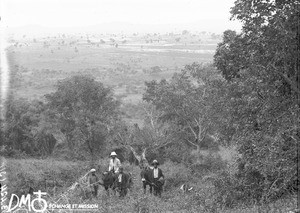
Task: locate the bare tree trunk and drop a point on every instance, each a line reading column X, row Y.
column 135, row 154
column 199, row 159
column 143, row 162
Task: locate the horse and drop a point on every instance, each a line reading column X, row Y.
column 147, row 179
column 109, row 181
column 125, row 184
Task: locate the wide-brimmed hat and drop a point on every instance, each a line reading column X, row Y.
column 113, row 154
column 155, row 162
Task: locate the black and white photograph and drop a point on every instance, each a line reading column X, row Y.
column 149, row 106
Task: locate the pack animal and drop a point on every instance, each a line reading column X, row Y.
column 109, row 181
column 123, row 184
column 146, row 176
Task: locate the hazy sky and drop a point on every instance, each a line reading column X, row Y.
column 212, row 14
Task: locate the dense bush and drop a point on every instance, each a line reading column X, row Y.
column 257, row 178
column 24, row 130
column 26, row 173
column 71, row 123
column 205, row 164
column 176, row 174
column 177, row 153
column 263, row 98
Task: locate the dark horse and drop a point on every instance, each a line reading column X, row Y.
column 125, row 184
column 109, row 181
column 146, row 175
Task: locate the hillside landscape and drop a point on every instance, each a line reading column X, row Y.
column 217, row 113
column 122, row 62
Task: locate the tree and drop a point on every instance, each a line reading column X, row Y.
column 189, row 102
column 85, row 111
column 266, row 134
column 17, row 124
column 152, row 140
column 227, row 57
column 263, row 92
column 267, row 45
column 22, row 131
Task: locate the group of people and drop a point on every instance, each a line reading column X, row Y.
column 115, row 167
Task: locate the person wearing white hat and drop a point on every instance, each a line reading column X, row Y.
column 93, row 180
column 114, row 163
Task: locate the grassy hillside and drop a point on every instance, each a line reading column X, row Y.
column 32, row 172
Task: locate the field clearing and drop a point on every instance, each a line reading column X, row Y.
column 66, row 59
column 124, row 67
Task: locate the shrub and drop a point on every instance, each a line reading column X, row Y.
column 175, row 174
column 26, row 173
column 203, row 164
column 177, row 153
column 228, row 191
column 7, row 151
column 269, row 163
column 241, row 182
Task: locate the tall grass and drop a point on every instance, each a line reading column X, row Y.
column 202, row 198
column 26, row 173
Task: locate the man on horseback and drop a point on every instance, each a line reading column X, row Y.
column 109, row 177
column 158, row 178
column 114, row 163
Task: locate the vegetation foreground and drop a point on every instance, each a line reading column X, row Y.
column 201, row 199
